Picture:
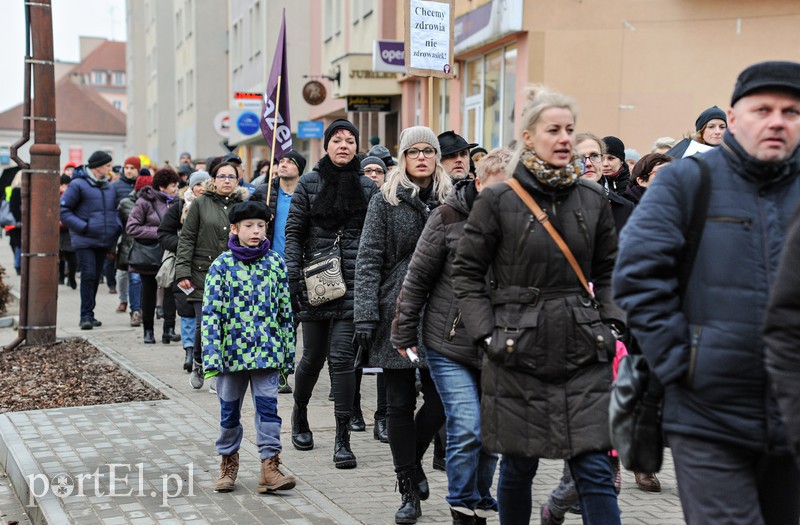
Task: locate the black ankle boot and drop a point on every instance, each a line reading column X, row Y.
column 149, row 337
column 188, row 361
column 459, row 518
column 357, row 421
column 380, row 433
column 302, row 438
column 170, row 336
column 343, row 457
column 410, row 508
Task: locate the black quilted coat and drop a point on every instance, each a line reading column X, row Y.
column 547, row 375
column 321, row 206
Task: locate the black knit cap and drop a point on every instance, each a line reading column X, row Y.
column 340, row 123
column 99, row 158
column 615, row 147
column 241, row 211
column 707, row 115
column 297, row 159
column 766, row 75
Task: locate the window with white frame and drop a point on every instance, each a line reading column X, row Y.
column 489, row 96
column 98, row 78
column 118, row 78
column 179, row 28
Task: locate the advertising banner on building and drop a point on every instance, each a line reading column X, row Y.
column 487, row 22
column 429, row 38
column 389, row 56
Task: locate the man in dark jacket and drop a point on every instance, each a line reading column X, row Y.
column 89, row 210
column 290, row 167
column 455, row 154
column 720, row 413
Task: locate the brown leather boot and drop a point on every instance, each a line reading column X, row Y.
column 271, row 476
column 647, row 481
column 228, row 470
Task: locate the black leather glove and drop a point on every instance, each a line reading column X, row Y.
column 365, row 334
column 296, row 291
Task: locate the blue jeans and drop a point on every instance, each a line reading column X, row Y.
column 591, row 472
column 187, row 332
column 90, row 264
column 470, row 468
column 135, row 291
column 231, row 388
column 18, row 259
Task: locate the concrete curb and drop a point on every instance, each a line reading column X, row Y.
column 18, row 463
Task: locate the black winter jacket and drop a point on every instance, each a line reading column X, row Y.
column 308, row 232
column 547, row 375
column 428, row 284
column 387, row 244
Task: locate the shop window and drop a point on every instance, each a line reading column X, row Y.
column 489, row 98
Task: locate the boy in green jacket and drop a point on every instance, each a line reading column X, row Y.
column 248, row 337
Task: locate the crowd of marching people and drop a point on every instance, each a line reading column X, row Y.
column 494, row 291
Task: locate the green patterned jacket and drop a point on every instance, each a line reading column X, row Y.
column 247, row 316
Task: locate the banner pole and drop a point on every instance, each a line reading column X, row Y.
column 274, row 135
column 430, row 103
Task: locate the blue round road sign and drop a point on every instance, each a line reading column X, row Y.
column 247, row 123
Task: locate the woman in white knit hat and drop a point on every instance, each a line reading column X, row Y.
column 395, row 220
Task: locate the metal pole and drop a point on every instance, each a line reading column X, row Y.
column 40, row 184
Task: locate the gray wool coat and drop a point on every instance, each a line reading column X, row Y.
column 388, row 241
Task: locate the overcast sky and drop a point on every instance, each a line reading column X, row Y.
column 71, row 19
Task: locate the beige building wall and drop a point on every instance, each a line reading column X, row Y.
column 638, row 69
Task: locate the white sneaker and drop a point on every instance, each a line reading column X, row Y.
column 212, row 385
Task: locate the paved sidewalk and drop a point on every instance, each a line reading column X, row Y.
column 166, row 450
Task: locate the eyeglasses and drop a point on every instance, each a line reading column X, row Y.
column 376, row 171
column 594, row 157
column 414, row 152
column 225, row 177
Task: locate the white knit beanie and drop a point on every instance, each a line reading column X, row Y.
column 415, row 134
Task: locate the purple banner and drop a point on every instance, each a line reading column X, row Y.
column 280, row 127
column 392, row 53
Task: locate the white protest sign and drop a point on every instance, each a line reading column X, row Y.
column 429, row 38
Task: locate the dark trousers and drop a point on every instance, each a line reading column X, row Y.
column 67, row 266
column 110, row 272
column 90, row 264
column 380, row 411
column 722, row 483
column 149, row 292
column 198, row 332
column 402, row 424
column 332, row 339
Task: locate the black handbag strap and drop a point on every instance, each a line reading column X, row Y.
column 697, row 223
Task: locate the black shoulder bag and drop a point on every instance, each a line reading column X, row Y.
column 637, row 399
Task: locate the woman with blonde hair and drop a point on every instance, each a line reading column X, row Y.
column 545, row 332
column 395, row 220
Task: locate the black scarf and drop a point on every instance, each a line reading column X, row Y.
column 341, row 197
column 760, row 172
